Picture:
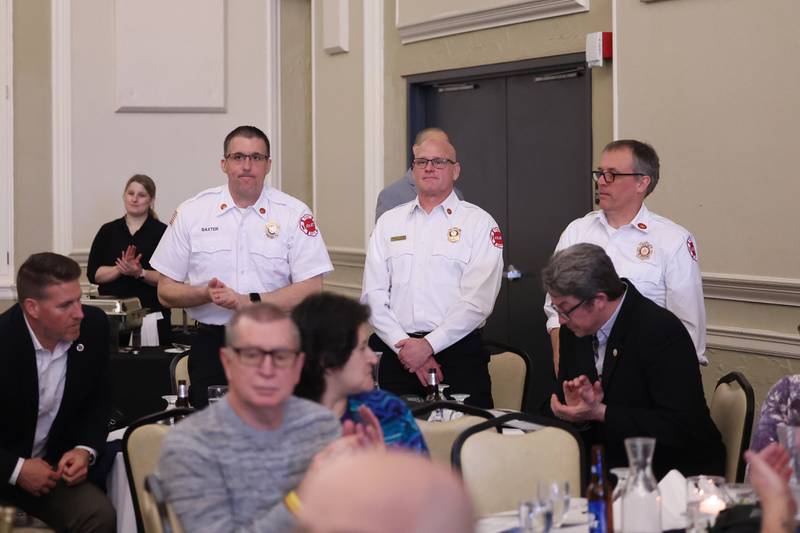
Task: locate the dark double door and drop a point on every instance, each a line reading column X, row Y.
column 523, row 135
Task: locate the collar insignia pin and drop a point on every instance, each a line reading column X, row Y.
column 223, row 207
column 449, row 211
column 262, row 210
column 641, row 225
column 454, row 234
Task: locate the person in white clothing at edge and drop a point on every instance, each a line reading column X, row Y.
column 233, row 245
column 431, row 277
column 656, row 254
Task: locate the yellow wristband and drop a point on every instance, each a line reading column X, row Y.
column 292, row 502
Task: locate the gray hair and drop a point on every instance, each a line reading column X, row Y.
column 263, row 313
column 645, row 159
column 582, row 270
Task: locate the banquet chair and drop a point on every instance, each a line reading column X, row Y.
column 179, row 369
column 732, row 407
column 157, row 513
column 439, row 436
column 509, row 369
column 500, row 470
column 141, row 448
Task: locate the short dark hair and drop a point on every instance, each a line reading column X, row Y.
column 328, row 325
column 645, row 159
column 263, row 313
column 42, row 270
column 248, row 132
column 582, row 270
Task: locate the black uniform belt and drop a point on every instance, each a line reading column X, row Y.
column 421, row 334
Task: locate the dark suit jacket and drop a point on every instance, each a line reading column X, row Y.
column 83, row 415
column 652, row 388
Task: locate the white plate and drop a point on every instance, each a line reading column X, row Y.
column 174, row 350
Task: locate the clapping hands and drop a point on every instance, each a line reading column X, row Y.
column 129, row 262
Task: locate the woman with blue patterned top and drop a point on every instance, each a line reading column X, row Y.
column 337, row 371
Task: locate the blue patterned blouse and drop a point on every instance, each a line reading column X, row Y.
column 400, row 430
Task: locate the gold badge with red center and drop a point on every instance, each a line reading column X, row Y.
column 644, row 250
column 273, row 229
column 454, row 234
column 308, row 226
column 496, row 237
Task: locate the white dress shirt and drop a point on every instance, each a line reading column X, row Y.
column 602, row 337
column 436, row 272
column 261, row 248
column 657, row 255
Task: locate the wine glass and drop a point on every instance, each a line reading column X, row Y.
column 557, row 493
column 216, row 392
column 459, row 398
column 442, row 387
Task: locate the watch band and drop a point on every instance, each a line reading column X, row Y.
column 255, row 297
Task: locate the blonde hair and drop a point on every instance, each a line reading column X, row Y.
column 149, row 185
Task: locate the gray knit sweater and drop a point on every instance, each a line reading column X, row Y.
column 222, row 475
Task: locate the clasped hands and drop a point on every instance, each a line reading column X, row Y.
column 584, row 401
column 38, row 478
column 223, row 296
column 416, row 355
column 129, row 263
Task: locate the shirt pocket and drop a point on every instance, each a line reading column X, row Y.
column 400, row 259
column 212, row 256
column 449, row 260
column 270, row 259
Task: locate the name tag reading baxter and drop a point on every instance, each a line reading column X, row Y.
column 397, row 238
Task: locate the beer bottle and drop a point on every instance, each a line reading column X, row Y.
column 433, row 394
column 598, row 494
column 183, row 394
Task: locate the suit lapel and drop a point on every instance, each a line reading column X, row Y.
column 616, row 340
column 27, row 374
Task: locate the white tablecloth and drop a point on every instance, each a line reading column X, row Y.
column 576, row 521
column 118, row 491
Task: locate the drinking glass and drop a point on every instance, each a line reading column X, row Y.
column 375, row 368
column 442, row 387
column 557, row 493
column 705, row 498
column 536, row 516
column 216, row 392
column 459, row 398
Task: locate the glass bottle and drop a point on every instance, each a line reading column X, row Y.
column 183, row 394
column 598, row 495
column 433, row 394
column 641, row 501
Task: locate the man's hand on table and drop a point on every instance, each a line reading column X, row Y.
column 584, row 401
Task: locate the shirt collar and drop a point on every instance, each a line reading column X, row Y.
column 605, row 330
column 641, row 222
column 261, row 206
column 61, row 348
column 449, row 205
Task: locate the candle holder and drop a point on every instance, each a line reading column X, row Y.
column 705, row 498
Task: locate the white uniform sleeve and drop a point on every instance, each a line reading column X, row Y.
column 565, row 241
column 172, row 255
column 684, row 293
column 376, row 289
column 308, row 256
column 480, row 284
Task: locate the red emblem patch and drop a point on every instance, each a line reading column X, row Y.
column 692, row 249
column 308, row 226
column 496, row 236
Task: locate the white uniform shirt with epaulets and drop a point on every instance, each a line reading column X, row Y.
column 261, row 248
column 436, row 272
column 657, row 255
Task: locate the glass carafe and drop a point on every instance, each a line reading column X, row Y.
column 641, row 500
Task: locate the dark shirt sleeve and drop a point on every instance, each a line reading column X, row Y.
column 98, row 254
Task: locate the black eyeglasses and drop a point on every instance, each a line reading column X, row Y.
column 252, row 356
column 611, row 176
column 239, row 157
column 565, row 314
column 437, row 162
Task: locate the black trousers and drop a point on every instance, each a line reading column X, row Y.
column 465, row 366
column 205, row 368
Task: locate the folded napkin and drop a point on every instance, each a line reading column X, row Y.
column 150, row 329
column 673, row 503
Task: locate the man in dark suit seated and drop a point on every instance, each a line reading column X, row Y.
column 54, row 401
column 628, row 367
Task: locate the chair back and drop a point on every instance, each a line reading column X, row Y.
column 501, row 470
column 439, row 436
column 732, row 407
column 141, row 448
column 157, row 513
column 509, row 370
column 179, row 370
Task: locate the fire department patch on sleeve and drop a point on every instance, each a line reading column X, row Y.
column 691, row 247
column 308, row 226
column 496, row 237
column 173, row 217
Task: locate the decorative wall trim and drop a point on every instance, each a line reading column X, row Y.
column 349, row 257
column 758, row 289
column 373, row 111
column 62, row 125
column 6, row 148
column 754, row 341
column 273, row 96
column 314, row 25
column 336, row 26
column 460, row 22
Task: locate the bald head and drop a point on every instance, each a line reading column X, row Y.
column 385, row 492
column 430, row 133
column 436, row 145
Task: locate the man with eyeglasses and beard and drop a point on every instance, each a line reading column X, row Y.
column 240, row 464
column 657, row 255
column 234, row 245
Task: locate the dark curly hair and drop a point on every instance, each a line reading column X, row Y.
column 328, row 325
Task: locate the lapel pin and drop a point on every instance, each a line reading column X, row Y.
column 79, row 347
column 614, row 352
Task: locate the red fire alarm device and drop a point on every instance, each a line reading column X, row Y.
column 598, row 48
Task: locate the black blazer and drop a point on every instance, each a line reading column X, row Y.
column 652, row 388
column 82, row 418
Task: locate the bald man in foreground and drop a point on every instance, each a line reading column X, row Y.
column 385, row 492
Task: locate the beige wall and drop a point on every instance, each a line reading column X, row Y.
column 720, row 107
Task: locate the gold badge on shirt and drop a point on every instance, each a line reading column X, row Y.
column 644, row 250
column 273, row 229
column 454, row 234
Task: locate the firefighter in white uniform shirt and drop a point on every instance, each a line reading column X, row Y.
column 235, row 244
column 432, row 275
column 657, row 255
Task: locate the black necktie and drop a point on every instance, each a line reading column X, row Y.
column 595, row 347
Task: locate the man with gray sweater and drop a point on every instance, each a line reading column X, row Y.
column 239, row 464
